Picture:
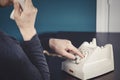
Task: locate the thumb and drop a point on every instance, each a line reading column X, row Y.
column 17, row 9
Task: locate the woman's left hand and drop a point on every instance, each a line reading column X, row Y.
column 64, row 47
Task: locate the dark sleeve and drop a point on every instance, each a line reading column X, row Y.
column 45, row 44
column 45, row 40
column 34, row 51
column 16, row 64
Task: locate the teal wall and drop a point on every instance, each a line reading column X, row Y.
column 56, row 15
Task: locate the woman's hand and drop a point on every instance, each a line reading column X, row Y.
column 64, row 47
column 25, row 18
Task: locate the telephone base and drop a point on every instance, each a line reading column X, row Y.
column 98, row 62
column 90, row 71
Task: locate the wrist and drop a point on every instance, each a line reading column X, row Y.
column 50, row 42
column 27, row 34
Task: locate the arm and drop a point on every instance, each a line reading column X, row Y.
column 63, row 47
column 25, row 20
column 34, row 51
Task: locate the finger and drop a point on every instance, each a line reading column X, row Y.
column 67, row 54
column 28, row 3
column 17, row 9
column 74, row 50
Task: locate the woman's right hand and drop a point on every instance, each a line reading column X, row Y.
column 25, row 18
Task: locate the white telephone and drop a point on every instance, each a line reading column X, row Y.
column 97, row 61
column 22, row 2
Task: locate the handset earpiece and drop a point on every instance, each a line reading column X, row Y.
column 22, row 3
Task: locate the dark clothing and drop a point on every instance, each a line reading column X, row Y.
column 22, row 63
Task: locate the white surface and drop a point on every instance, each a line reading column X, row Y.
column 102, row 16
column 97, row 61
column 114, row 22
column 108, row 16
column 22, row 5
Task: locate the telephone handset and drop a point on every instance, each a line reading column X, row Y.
column 22, row 2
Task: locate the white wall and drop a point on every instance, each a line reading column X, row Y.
column 108, row 16
column 114, row 18
column 102, row 16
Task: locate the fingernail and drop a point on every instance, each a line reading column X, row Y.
column 74, row 57
column 83, row 56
